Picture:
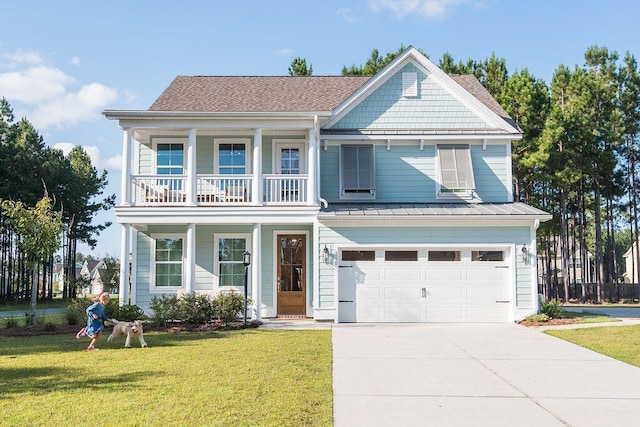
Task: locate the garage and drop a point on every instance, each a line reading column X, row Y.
column 424, row 285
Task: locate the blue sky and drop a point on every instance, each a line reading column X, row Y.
column 63, row 62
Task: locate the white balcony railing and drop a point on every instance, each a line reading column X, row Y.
column 214, row 190
column 285, row 188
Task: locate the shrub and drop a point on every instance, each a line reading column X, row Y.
column 128, row 313
column 551, row 308
column 195, row 309
column 50, row 327
column 12, row 322
column 76, row 311
column 164, row 308
column 229, row 307
column 538, row 318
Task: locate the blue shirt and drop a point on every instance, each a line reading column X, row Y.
column 95, row 325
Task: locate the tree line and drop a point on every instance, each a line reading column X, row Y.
column 577, row 160
column 30, row 172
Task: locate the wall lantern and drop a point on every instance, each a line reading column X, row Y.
column 325, row 254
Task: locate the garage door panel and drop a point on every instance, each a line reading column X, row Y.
column 498, row 274
column 404, row 293
column 369, row 273
column 403, row 274
column 369, row 314
column 403, row 314
column 482, row 314
column 445, row 314
column 368, row 293
column 434, row 294
column 489, row 294
column 444, row 274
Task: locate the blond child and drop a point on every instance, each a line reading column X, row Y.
column 95, row 318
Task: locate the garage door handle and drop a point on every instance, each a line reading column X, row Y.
column 503, row 301
column 501, row 266
column 345, row 266
column 424, row 292
column 344, row 300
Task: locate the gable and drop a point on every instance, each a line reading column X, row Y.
column 432, row 108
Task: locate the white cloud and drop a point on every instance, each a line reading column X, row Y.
column 34, row 84
column 347, row 14
column 75, row 60
column 73, row 108
column 283, row 52
column 32, row 58
column 112, row 163
column 429, row 9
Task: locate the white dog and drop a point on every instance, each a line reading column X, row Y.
column 130, row 329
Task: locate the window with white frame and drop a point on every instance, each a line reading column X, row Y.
column 357, row 172
column 456, row 170
column 230, row 253
column 168, row 261
column 232, row 157
column 170, row 158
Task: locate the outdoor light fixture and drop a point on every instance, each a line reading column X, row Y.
column 325, row 254
column 246, row 260
column 525, row 254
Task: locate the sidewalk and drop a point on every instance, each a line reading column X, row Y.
column 622, row 322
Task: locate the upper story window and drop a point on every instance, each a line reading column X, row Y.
column 232, row 157
column 456, row 171
column 170, row 159
column 357, row 172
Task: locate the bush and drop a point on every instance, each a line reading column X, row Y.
column 230, row 306
column 76, row 311
column 12, row 322
column 164, row 308
column 538, row 318
column 551, row 308
column 128, row 313
column 195, row 309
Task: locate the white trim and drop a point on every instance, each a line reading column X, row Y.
column 509, row 166
column 134, row 267
column 334, row 139
column 279, row 144
column 152, row 261
column 308, row 307
column 247, row 153
column 216, row 258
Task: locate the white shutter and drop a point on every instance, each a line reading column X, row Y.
column 409, row 84
column 456, row 169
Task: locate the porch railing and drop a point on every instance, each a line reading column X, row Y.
column 213, row 190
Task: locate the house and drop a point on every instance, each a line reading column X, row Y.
column 91, row 273
column 576, row 267
column 359, row 199
column 631, row 273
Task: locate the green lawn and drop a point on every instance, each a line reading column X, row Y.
column 619, row 342
column 240, row 378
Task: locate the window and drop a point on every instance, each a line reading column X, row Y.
column 409, row 84
column 168, row 262
column 487, row 256
column 456, row 172
column 358, row 255
column 400, row 255
column 230, row 256
column 170, row 159
column 444, row 255
column 232, row 158
column 356, row 166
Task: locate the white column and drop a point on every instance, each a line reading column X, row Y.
column 256, row 185
column 190, row 262
column 123, row 297
column 313, row 153
column 125, row 189
column 191, row 168
column 256, row 290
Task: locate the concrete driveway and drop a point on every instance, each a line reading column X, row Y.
column 475, row 375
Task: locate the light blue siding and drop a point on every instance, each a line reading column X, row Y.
column 204, row 155
column 145, row 159
column 433, row 108
column 407, row 174
column 414, row 236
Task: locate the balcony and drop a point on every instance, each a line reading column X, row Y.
column 218, row 190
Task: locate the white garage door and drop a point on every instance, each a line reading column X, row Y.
column 423, row 286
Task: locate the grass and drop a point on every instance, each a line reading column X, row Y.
column 26, row 305
column 56, row 319
column 240, row 378
column 619, row 342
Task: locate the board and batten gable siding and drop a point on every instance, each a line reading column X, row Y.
column 420, row 237
column 433, row 108
column 407, row 174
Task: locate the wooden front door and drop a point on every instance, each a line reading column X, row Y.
column 291, row 274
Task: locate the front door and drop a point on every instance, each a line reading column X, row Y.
column 291, row 279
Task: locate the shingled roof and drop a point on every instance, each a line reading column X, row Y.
column 281, row 94
column 256, row 94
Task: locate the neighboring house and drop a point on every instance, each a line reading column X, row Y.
column 575, row 266
column 631, row 273
column 361, row 199
column 90, row 273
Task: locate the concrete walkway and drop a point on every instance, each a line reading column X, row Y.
column 475, row 375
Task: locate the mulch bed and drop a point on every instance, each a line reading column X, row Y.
column 553, row 322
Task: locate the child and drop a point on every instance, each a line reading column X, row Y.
column 95, row 318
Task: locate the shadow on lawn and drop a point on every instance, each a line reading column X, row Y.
column 46, row 380
column 15, row 346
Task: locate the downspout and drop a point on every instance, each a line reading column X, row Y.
column 316, row 129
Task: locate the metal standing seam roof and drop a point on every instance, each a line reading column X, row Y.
column 410, row 210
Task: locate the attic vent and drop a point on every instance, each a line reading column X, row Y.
column 409, row 84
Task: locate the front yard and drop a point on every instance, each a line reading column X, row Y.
column 240, row 378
